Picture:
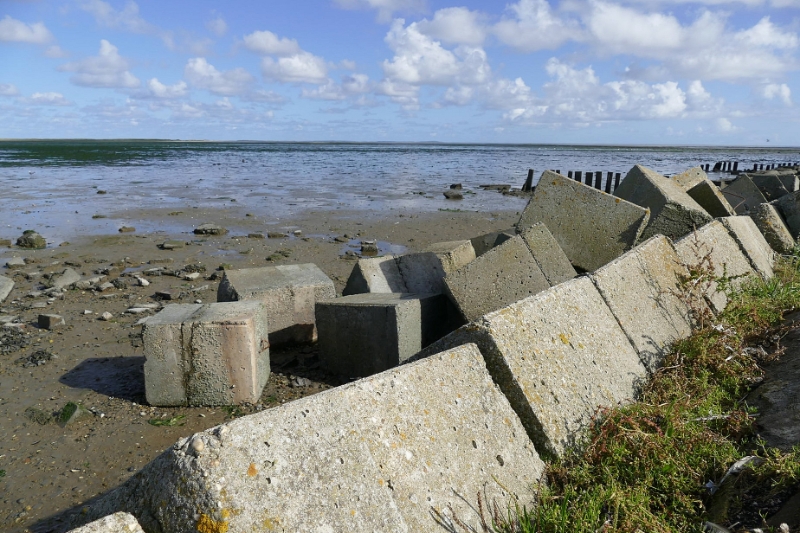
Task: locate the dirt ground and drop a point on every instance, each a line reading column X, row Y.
column 46, row 470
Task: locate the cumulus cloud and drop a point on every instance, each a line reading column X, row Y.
column 455, row 25
column 351, row 85
column 50, row 98
column 532, row 25
column 204, row 75
column 159, row 90
column 55, row 52
column 8, row 89
column 127, row 18
column 303, row 67
column 267, row 43
column 385, row 8
column 16, row 31
column 781, row 92
column 217, row 26
column 107, row 70
column 262, row 96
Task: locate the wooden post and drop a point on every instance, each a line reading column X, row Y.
column 735, row 166
column 717, row 166
column 528, row 182
column 598, row 179
column 616, row 180
column 578, row 176
column 609, row 177
column 569, row 174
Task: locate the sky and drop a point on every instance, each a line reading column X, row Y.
column 665, row 72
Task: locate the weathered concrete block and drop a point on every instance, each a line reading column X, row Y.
column 713, row 253
column 379, row 454
column 592, row 227
column 212, row 354
column 772, row 227
column 743, row 194
column 689, row 178
column 790, row 180
column 789, row 207
column 375, row 274
column 6, row 285
column 424, row 272
column 50, row 321
column 115, row 523
column 710, row 198
column 752, row 243
column 503, row 275
column 549, row 256
column 673, row 212
column 484, row 243
column 288, row 292
column 363, row 334
column 557, row 356
column 643, row 289
column 769, row 184
column 65, row 279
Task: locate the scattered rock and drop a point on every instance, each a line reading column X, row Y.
column 65, row 279
column 255, row 235
column 142, row 282
column 40, row 416
column 344, row 238
column 297, row 232
column 276, row 235
column 191, row 276
column 31, row 239
column 369, row 247
column 72, row 412
column 101, row 191
column 120, row 283
column 83, row 285
column 453, row 195
column 106, row 316
column 456, row 186
column 12, row 339
column 171, row 245
column 210, row 229
column 127, row 229
column 15, row 262
column 105, row 286
column 37, row 358
column 99, row 216
column 51, row 321
column 163, row 295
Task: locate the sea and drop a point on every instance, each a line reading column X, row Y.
column 46, row 183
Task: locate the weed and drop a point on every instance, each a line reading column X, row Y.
column 233, row 411
column 177, row 420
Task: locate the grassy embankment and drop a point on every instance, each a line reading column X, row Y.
column 645, row 467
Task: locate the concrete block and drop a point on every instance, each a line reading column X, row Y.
column 212, row 354
column 6, row 285
column 557, row 356
column 789, row 207
column 769, row 184
column 643, row 290
column 773, row 228
column 375, row 274
column 790, row 180
column 592, row 227
column 712, row 250
column 752, row 243
column 710, row 198
column 743, row 194
column 549, row 256
column 66, row 278
column 503, row 275
column 484, row 243
column 424, row 272
column 379, row 454
column 690, row 178
column 673, row 212
column 115, row 523
column 288, row 292
column 50, row 321
column 363, row 334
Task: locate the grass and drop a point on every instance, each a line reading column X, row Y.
column 177, row 420
column 657, row 465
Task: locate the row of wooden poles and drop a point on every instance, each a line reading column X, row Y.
column 590, row 178
column 733, row 166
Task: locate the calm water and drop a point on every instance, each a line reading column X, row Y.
column 43, row 183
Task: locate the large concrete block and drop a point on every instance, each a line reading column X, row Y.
column 789, row 179
column 697, row 185
column 484, row 243
column 115, row 523
column 557, row 356
column 549, row 256
column 690, row 178
column 6, row 285
column 380, row 454
column 375, row 274
column 712, row 253
column 643, row 289
column 752, row 243
column 363, row 334
column 503, row 275
column 772, row 227
column 289, row 293
column 212, row 354
column 789, row 207
column 673, row 212
column 592, row 227
column 424, row 272
column 743, row 194
column 769, row 184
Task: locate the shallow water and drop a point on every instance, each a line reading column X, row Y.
column 45, row 183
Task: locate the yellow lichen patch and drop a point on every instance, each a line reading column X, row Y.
column 252, row 471
column 206, row 524
column 563, row 338
column 271, row 524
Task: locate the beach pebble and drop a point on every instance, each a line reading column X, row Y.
column 453, row 195
column 192, row 276
column 276, row 235
column 143, row 282
column 210, row 229
column 106, row 316
column 127, row 229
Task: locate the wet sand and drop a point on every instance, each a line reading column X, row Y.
column 49, row 470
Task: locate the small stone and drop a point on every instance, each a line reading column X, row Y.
column 143, row 282
column 255, row 235
column 15, row 262
column 210, row 229
column 83, row 285
column 453, row 195
column 87, row 312
column 31, row 239
column 191, row 276
column 51, row 321
column 197, row 445
column 106, row 316
column 342, row 239
column 71, row 412
column 456, row 186
column 163, row 295
column 127, row 229
column 297, row 232
column 276, row 235
column 105, row 286
column 101, row 191
column 171, row 245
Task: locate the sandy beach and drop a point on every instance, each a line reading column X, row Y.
column 49, row 470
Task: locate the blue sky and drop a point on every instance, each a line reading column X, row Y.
column 711, row 72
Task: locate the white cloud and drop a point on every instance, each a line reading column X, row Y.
column 55, row 52
column 355, row 84
column 50, row 98
column 217, row 26
column 385, row 8
column 108, row 70
column 455, row 25
column 15, row 31
column 298, row 68
column 267, row 97
column 128, row 18
column 8, row 89
column 267, row 43
column 405, row 94
column 201, row 73
column 724, row 125
column 782, row 92
column 159, row 90
column 533, row 26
